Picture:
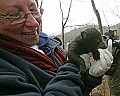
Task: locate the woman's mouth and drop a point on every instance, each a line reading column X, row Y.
column 30, row 33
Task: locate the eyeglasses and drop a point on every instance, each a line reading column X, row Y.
column 20, row 17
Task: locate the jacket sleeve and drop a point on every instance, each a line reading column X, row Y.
column 14, row 82
column 67, row 82
column 20, row 78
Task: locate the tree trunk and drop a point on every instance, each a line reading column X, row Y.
column 98, row 16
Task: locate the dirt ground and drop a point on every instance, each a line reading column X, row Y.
column 103, row 89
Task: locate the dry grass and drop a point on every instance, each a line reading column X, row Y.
column 103, row 88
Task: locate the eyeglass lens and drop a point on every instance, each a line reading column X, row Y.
column 23, row 18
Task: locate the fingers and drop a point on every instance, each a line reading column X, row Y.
column 110, row 45
column 107, row 55
column 99, row 67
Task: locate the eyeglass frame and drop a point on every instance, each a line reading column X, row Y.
column 22, row 14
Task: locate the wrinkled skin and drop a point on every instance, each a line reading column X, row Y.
column 27, row 32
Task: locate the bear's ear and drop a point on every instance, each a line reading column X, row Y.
column 83, row 34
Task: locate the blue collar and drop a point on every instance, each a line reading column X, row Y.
column 43, row 39
column 47, row 44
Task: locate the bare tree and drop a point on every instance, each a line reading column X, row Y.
column 41, row 12
column 64, row 23
column 97, row 15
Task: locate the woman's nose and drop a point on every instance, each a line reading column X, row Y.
column 32, row 21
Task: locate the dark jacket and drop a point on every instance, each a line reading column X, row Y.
column 19, row 77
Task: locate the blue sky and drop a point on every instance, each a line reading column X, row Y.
column 81, row 13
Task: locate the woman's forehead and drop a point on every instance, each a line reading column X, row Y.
column 10, row 3
column 15, row 4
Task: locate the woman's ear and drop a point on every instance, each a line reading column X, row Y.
column 83, row 34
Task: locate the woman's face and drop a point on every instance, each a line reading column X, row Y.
column 17, row 22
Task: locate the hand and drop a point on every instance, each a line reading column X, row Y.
column 99, row 67
column 86, row 58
